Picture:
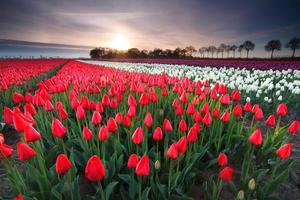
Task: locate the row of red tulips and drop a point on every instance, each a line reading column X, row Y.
column 156, row 137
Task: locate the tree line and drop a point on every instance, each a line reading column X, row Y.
column 190, row 51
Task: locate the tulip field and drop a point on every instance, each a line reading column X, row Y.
column 115, row 130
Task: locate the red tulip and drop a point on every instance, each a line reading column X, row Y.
column 7, row 115
column 63, row 164
column 59, row 105
column 29, row 107
column 87, row 133
column 112, row 125
column 190, row 109
column 235, row 95
column 105, row 100
column 207, row 119
column 19, row 197
column 96, row 118
column 25, row 152
column 258, row 114
column 131, row 101
column 131, row 111
column 225, row 117
column 182, row 144
column 172, row 151
column 225, row 99
column 282, row 109
column 197, row 116
column 113, row 104
column 205, row 108
column 143, row 167
column 247, row 107
column 179, row 110
column 157, row 134
column 226, row 174
column 48, row 106
column 133, row 160
column 80, row 112
column 284, row 151
column 1, row 138
column 184, row 97
column 256, row 137
column 144, row 99
column 6, row 150
column 192, row 134
column 126, row 120
column 137, row 136
column 270, row 121
column 167, row 125
column 216, row 113
column 31, row 135
column 119, row 118
column 103, row 133
column 294, row 127
column 17, row 97
column 94, row 170
column 237, row 111
column 148, row 120
column 58, row 129
column 63, row 114
column 183, row 126
column 222, row 160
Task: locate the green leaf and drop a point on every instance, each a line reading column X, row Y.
column 274, row 184
column 109, row 189
column 146, row 193
column 124, row 177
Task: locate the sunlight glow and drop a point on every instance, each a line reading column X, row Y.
column 120, row 42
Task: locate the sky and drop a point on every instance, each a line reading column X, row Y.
column 146, row 24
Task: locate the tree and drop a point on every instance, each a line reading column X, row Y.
column 212, row 50
column 202, row 51
column 273, row 45
column 293, row 44
column 227, row 49
column 233, row 49
column 248, row 46
column 177, row 52
column 222, row 48
column 190, row 50
column 97, row 52
column 240, row 49
column 133, row 53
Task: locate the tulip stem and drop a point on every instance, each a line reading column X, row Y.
column 101, row 191
column 140, row 187
column 170, row 175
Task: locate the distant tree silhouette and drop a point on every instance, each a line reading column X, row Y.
column 227, row 49
column 222, row 48
column 190, row 50
column 240, row 49
column 233, row 49
column 177, row 52
column 133, row 53
column 212, row 50
column 293, row 44
column 248, row 46
column 202, row 51
column 97, row 52
column 273, row 45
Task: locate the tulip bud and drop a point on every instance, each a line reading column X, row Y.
column 161, row 112
column 241, row 195
column 157, row 165
column 251, row 184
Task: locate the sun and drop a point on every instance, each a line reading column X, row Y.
column 120, row 42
